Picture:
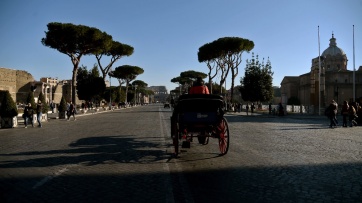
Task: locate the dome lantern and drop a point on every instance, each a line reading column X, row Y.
column 333, row 50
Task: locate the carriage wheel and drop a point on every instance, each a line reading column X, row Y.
column 224, row 138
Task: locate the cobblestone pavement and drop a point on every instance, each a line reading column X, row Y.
column 125, row 156
column 279, row 159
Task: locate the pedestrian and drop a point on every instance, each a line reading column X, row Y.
column 359, row 115
column 28, row 114
column 332, row 113
column 86, row 104
column 352, row 116
column 247, row 109
column 52, row 106
column 252, row 107
column 344, row 113
column 71, row 111
column 280, row 109
column 39, row 109
column 68, row 104
column 270, row 108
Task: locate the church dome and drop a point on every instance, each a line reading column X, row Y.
column 333, row 50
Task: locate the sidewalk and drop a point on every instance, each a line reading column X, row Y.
column 51, row 116
column 289, row 115
column 88, row 112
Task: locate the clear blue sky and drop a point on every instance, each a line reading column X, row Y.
column 166, row 34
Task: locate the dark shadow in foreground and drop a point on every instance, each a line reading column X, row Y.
column 319, row 183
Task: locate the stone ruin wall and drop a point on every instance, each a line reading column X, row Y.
column 57, row 93
column 23, row 83
column 8, row 81
column 17, row 82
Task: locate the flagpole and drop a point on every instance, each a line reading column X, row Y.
column 319, row 65
column 354, row 72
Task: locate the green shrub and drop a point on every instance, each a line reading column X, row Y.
column 45, row 105
column 30, row 99
column 63, row 105
column 8, row 107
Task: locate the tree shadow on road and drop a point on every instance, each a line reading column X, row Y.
column 92, row 151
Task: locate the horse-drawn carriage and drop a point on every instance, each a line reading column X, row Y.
column 201, row 116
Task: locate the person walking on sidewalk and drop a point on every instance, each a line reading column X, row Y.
column 280, row 109
column 359, row 115
column 39, row 109
column 252, row 107
column 71, row 111
column 28, row 114
column 52, row 106
column 352, row 115
column 344, row 113
column 270, row 108
column 332, row 112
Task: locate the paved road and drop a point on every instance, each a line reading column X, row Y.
column 125, row 156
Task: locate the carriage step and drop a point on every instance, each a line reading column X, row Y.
column 186, row 144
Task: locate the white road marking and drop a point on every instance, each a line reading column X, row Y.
column 166, row 168
column 48, row 178
column 184, row 186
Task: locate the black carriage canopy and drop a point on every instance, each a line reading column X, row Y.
column 200, row 103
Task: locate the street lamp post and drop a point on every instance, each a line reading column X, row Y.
column 226, row 101
column 337, row 95
column 135, row 95
column 110, row 93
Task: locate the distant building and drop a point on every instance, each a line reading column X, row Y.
column 336, row 82
column 19, row 83
column 107, row 82
column 160, row 93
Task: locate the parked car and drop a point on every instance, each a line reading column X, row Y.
column 167, row 105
